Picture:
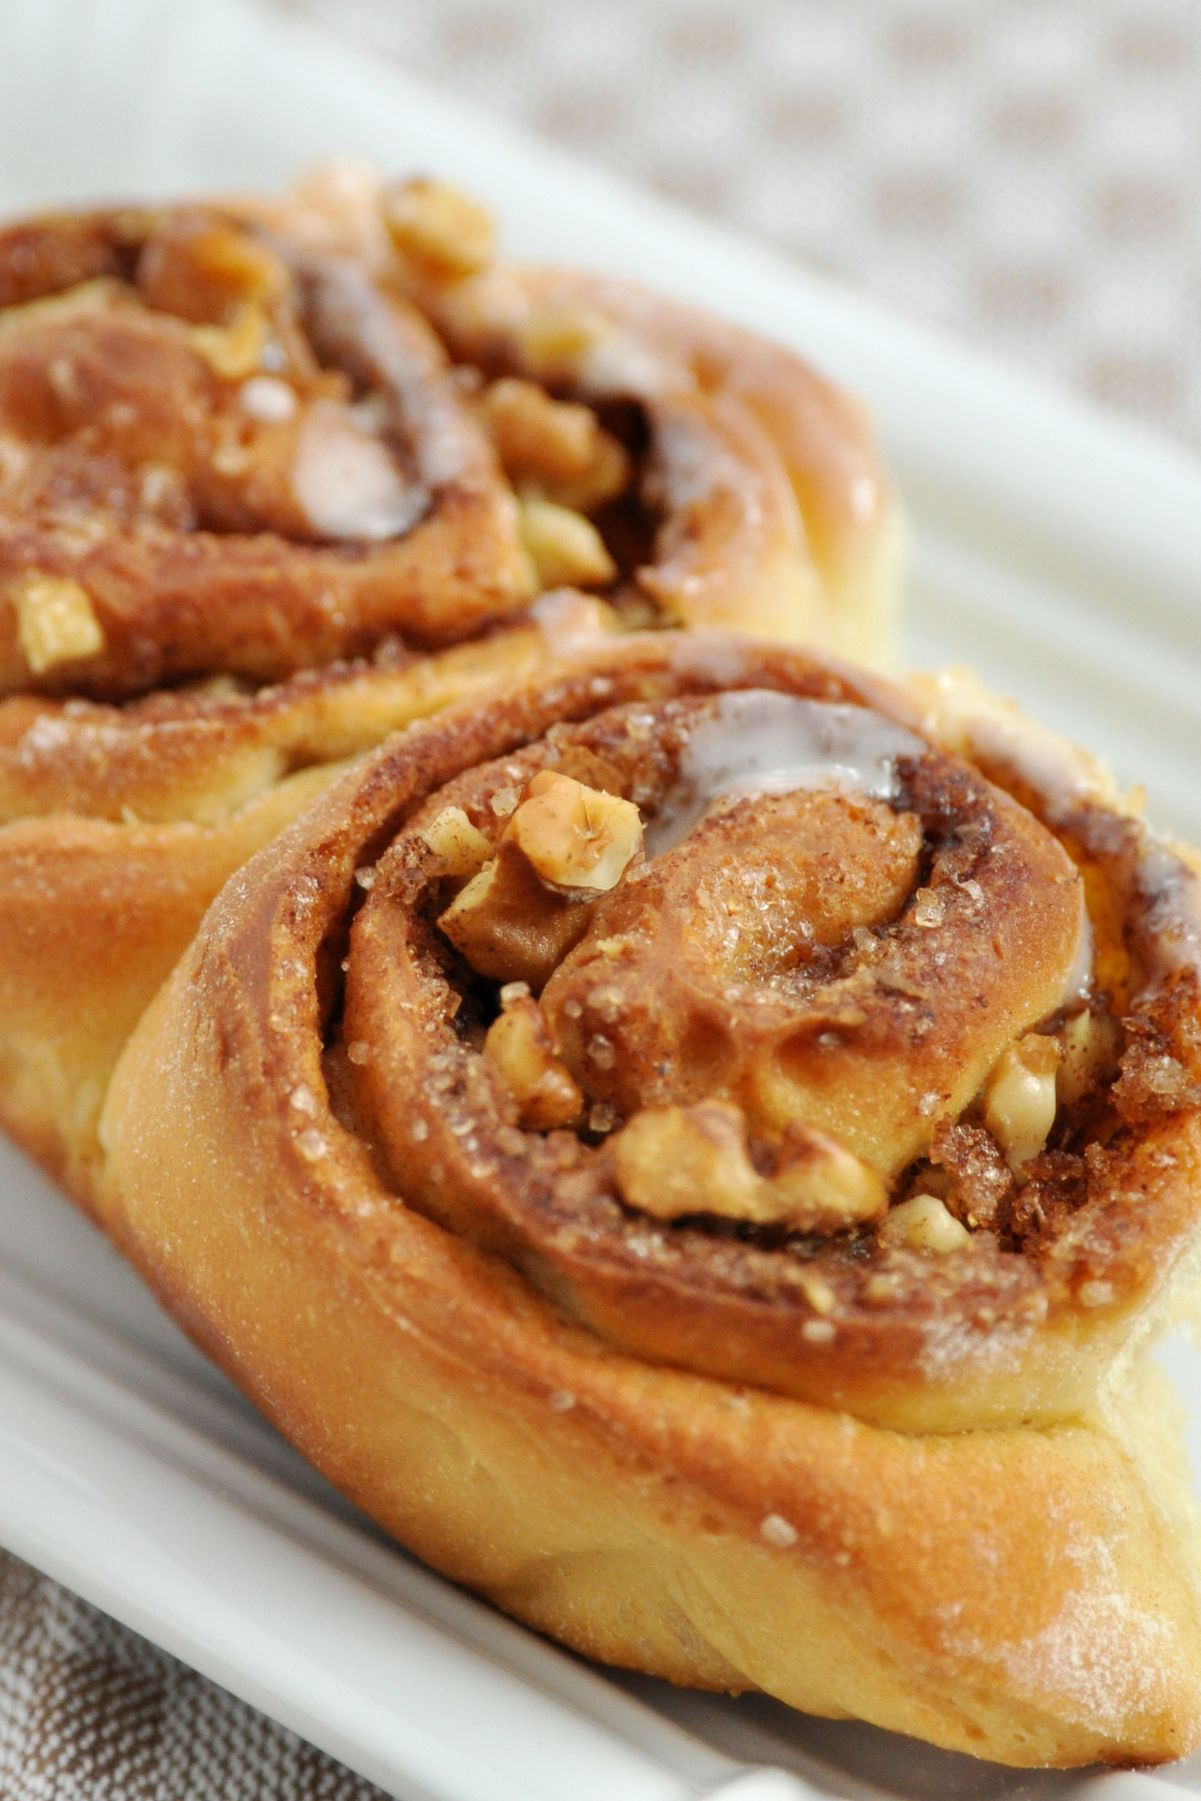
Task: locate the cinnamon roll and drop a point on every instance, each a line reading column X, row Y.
column 259, row 507
column 693, row 1146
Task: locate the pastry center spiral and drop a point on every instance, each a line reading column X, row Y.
column 768, row 1035
column 822, row 955
column 753, row 949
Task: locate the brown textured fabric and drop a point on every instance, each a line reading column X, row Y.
column 91, row 1712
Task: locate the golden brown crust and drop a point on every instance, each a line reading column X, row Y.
column 1019, row 1593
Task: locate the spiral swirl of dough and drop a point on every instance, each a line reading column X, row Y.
column 768, row 1034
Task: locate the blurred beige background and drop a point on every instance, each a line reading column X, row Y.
column 1026, row 174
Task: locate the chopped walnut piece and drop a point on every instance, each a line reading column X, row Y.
column 233, row 351
column 563, row 844
column 817, row 1291
column 824, row 1183
column 923, row 1223
column 520, row 1048
column 576, row 838
column 688, row 1160
column 1088, row 1054
column 56, row 622
column 1020, row 1098
column 555, row 340
column 672, row 1161
column 566, row 549
column 461, row 845
column 236, row 265
column 439, row 226
column 557, row 449
column 203, row 273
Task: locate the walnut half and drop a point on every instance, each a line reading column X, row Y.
column 578, row 839
column 672, row 1161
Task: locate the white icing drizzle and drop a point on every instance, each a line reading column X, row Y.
column 691, row 465
column 1057, row 772
column 443, row 440
column 348, row 484
column 712, row 657
column 1078, row 984
column 569, row 621
column 757, row 741
column 1171, row 893
column 1062, row 776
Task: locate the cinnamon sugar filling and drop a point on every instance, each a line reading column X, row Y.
column 788, row 1057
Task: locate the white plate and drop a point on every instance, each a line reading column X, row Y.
column 1057, row 551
